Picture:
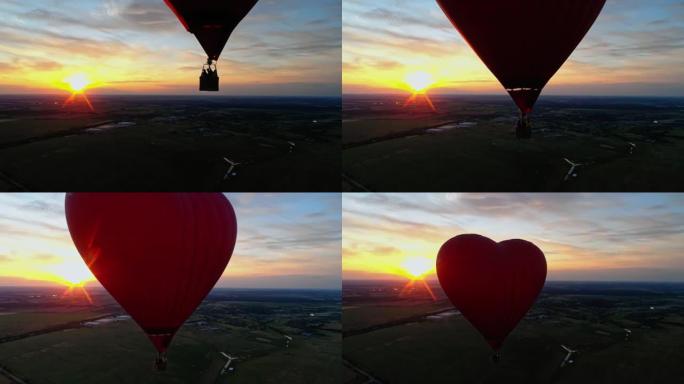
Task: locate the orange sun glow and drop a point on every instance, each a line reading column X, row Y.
column 78, row 83
column 74, row 276
column 416, row 268
column 420, row 82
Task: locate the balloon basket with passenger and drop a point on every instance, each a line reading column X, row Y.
column 209, row 79
column 161, row 362
column 524, row 98
column 523, row 129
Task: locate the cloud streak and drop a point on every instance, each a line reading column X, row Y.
column 635, row 48
column 286, row 47
column 284, row 241
column 592, row 236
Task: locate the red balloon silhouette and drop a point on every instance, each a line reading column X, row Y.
column 212, row 22
column 492, row 284
column 157, row 254
column 523, row 42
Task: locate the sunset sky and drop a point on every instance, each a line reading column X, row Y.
column 635, row 48
column 284, row 241
column 627, row 237
column 284, row 47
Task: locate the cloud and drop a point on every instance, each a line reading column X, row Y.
column 45, row 258
column 284, row 240
column 275, row 51
column 635, row 48
column 599, row 234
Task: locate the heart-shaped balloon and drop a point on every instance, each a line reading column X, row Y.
column 523, row 42
column 492, row 284
column 157, row 254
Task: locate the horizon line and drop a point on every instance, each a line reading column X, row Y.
column 547, row 281
column 337, row 96
column 98, row 286
column 167, row 94
column 400, row 93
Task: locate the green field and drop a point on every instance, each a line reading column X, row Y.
column 313, row 361
column 359, row 131
column 22, row 322
column 357, row 317
column 252, row 329
column 120, row 353
column 170, row 143
column 532, row 354
column 387, row 149
column 590, row 319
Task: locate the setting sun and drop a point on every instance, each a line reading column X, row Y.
column 417, row 267
column 77, row 82
column 74, row 274
column 419, row 81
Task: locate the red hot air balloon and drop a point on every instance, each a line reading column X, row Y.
column 157, row 254
column 523, row 42
column 492, row 284
column 212, row 22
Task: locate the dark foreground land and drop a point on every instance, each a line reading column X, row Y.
column 411, row 339
column 169, row 143
column 623, row 144
column 47, row 336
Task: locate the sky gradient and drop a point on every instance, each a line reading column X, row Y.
column 587, row 237
column 283, row 47
column 635, row 48
column 284, row 241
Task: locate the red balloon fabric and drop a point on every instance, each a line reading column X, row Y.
column 523, row 42
column 157, row 254
column 492, row 284
column 211, row 21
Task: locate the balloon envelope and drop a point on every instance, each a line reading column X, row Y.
column 492, row 284
column 211, row 21
column 157, row 254
column 523, row 42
